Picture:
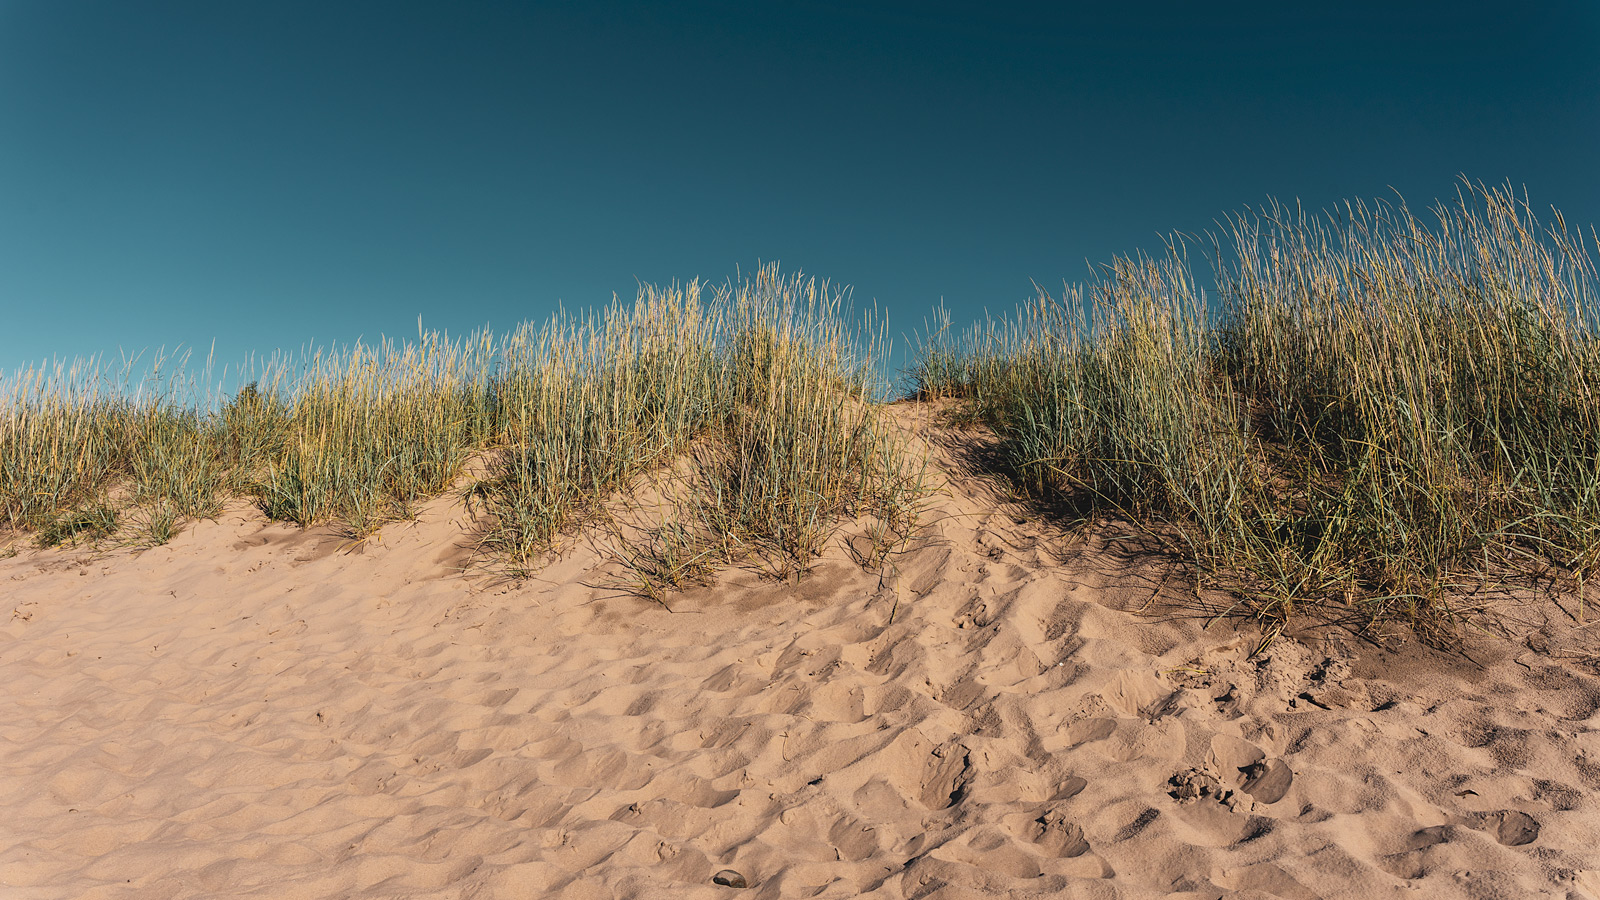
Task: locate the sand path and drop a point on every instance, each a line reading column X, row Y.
column 256, row 711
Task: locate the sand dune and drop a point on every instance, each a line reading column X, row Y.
column 256, row 711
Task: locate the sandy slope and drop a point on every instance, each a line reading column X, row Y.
column 254, row 711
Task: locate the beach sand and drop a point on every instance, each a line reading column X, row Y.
column 1005, row 710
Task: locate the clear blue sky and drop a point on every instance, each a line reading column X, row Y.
column 268, row 174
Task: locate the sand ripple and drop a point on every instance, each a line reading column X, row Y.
column 247, row 712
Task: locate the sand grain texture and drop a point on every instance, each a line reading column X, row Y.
column 253, row 711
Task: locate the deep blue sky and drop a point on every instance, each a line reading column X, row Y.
column 268, row 174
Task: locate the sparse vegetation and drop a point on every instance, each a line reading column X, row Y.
column 759, row 395
column 1374, row 414
column 1381, row 415
column 757, row 400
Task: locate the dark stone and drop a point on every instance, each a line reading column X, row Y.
column 729, row 878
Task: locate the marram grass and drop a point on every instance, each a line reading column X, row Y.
column 762, row 386
column 1376, row 414
column 1381, row 416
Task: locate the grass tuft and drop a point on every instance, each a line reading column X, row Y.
column 758, row 391
column 758, row 387
column 1381, row 416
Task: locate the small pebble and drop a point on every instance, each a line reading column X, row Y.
column 729, row 878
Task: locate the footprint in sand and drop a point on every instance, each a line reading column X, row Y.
column 1245, row 766
column 1067, row 788
column 1058, row 835
column 1411, row 863
column 1511, row 827
column 1087, row 731
column 1266, row 781
column 945, row 779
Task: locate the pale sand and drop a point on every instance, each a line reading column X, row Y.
column 252, row 711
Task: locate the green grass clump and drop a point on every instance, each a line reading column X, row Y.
column 69, row 438
column 1435, row 387
column 365, row 434
column 795, row 439
column 584, row 405
column 1381, row 414
column 757, row 393
column 59, row 445
column 759, row 388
